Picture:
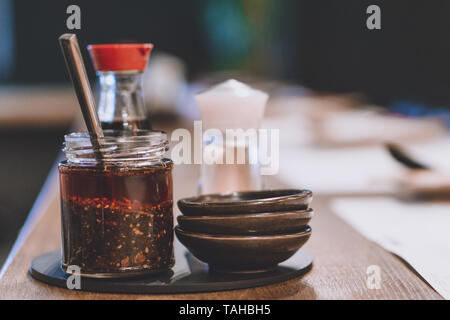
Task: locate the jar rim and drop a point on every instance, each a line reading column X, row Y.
column 117, row 146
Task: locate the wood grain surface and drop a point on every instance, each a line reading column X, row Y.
column 341, row 257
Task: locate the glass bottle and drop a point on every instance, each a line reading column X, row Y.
column 119, row 68
column 220, row 173
column 231, row 115
column 117, row 218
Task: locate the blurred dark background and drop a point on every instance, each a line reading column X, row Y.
column 322, row 45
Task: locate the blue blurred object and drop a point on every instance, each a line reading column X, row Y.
column 416, row 109
column 409, row 108
column 6, row 39
column 228, row 32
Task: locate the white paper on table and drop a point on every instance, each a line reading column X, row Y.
column 339, row 171
column 417, row 232
column 356, row 170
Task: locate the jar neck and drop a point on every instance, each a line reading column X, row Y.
column 121, row 148
column 121, row 100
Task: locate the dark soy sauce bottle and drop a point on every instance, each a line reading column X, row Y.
column 119, row 68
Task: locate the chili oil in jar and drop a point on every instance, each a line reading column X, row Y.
column 116, row 210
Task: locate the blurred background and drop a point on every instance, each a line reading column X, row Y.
column 337, row 87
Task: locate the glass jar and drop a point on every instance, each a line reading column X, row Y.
column 117, row 218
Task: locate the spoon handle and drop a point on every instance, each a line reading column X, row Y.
column 77, row 71
column 401, row 156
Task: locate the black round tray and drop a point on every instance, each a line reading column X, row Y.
column 188, row 275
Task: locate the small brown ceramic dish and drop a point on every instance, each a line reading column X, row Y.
column 246, row 202
column 242, row 254
column 247, row 224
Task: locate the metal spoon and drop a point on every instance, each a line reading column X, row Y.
column 77, row 72
column 405, row 159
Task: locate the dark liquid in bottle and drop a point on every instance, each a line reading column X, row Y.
column 117, row 219
column 130, row 125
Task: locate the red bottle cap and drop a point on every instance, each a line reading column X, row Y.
column 120, row 57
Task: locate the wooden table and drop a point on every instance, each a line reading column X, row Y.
column 341, row 257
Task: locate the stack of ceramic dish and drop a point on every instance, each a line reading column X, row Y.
column 245, row 231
